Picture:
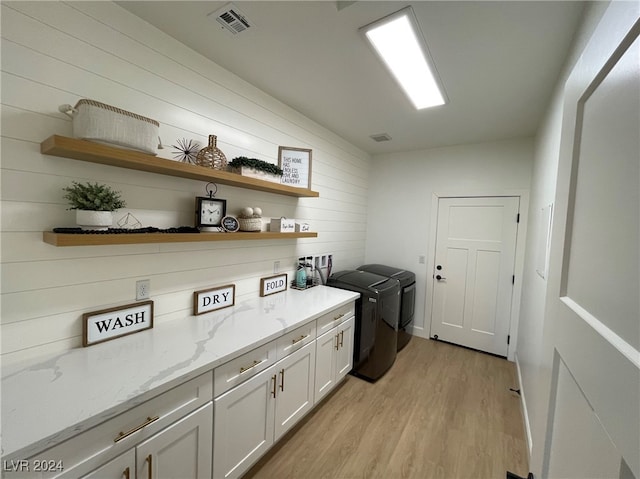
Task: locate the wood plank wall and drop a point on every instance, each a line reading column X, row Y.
column 55, row 53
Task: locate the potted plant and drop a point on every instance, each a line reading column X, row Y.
column 94, row 204
column 254, row 168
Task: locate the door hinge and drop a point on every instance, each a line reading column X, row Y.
column 518, row 218
column 508, row 338
column 513, row 279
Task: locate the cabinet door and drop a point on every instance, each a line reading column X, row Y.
column 294, row 396
column 122, row 467
column 181, row 450
column 345, row 349
column 244, row 418
column 326, row 347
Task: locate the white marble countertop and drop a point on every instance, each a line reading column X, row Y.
column 47, row 402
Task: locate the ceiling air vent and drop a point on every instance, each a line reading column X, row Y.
column 380, row 137
column 231, row 19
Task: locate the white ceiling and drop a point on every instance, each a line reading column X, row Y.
column 498, row 62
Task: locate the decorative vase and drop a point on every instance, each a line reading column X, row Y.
column 94, row 220
column 211, row 156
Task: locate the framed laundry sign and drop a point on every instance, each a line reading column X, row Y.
column 112, row 323
column 296, row 166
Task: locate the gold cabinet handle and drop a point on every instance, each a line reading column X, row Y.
column 275, row 382
column 149, row 459
column 337, row 341
column 246, row 368
column 304, row 336
column 126, row 474
column 338, row 317
column 122, row 435
column 341, row 338
column 282, row 380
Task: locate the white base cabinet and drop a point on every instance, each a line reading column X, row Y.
column 181, row 450
column 334, row 357
column 252, row 416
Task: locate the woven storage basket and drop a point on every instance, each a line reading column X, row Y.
column 250, row 224
column 104, row 123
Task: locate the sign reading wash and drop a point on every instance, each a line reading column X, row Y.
column 106, row 324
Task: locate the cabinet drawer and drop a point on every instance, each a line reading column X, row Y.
column 295, row 339
column 111, row 438
column 334, row 317
column 237, row 370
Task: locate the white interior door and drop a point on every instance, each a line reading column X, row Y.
column 473, row 276
column 592, row 318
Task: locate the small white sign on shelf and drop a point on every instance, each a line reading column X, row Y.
column 283, row 225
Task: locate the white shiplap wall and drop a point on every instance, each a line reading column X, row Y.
column 55, row 53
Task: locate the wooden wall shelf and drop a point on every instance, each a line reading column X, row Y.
column 61, row 239
column 107, row 155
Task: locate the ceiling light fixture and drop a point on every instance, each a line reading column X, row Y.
column 398, row 41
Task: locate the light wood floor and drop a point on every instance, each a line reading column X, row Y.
column 441, row 411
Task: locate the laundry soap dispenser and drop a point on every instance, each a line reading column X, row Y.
column 301, row 276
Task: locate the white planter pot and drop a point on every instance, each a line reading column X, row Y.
column 258, row 174
column 94, row 220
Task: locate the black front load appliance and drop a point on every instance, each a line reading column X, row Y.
column 376, row 320
column 407, row 296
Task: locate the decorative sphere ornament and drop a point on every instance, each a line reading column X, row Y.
column 247, row 212
column 257, row 211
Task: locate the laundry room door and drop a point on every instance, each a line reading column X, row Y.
column 591, row 361
column 473, row 271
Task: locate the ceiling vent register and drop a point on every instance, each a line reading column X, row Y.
column 380, row 137
column 231, row 19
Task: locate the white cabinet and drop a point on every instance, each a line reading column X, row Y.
column 181, row 450
column 252, row 416
column 334, row 357
column 122, row 467
column 166, row 425
column 243, row 424
column 294, row 396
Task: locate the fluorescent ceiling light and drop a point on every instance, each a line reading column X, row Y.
column 399, row 43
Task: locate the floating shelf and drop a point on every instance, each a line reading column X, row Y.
column 61, row 239
column 84, row 150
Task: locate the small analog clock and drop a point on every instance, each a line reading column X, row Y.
column 209, row 213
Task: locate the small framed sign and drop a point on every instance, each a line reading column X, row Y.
column 212, row 299
column 230, row 224
column 296, row 166
column 273, row 284
column 112, row 323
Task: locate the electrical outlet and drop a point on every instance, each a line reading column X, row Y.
column 143, row 289
column 276, row 267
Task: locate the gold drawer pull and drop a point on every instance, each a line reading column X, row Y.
column 275, row 385
column 150, row 461
column 127, row 473
column 337, row 341
column 304, row 336
column 341, row 338
column 246, row 368
column 149, row 420
column 338, row 317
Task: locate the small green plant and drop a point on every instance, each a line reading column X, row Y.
column 93, row 197
column 257, row 164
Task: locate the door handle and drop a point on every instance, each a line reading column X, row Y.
column 440, row 278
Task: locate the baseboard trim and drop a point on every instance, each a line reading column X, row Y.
column 525, row 412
